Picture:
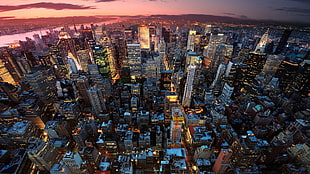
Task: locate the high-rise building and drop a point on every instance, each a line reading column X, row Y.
column 57, row 129
column 84, row 59
column 82, row 85
column 144, row 37
column 162, row 63
column 101, row 59
column 73, row 161
column 191, row 40
column 283, row 41
column 186, row 101
column 260, row 47
column 43, row 82
column 5, row 75
column 210, row 50
column 96, row 99
column 9, row 60
column 256, row 62
column 221, row 52
column 72, row 66
column 134, row 59
column 42, row 154
column 272, row 64
column 21, row 132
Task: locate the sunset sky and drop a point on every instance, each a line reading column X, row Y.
column 281, row 10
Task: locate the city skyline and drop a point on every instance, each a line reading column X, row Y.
column 277, row 10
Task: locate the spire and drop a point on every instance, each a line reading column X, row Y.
column 260, row 47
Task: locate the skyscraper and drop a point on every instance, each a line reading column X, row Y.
column 43, row 83
column 82, row 85
column 43, row 154
column 96, row 99
column 144, row 37
column 191, row 40
column 134, row 59
column 256, row 62
column 73, row 161
column 186, row 101
column 260, row 47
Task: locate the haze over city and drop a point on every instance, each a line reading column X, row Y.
column 278, row 10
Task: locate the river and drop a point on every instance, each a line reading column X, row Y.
column 7, row 39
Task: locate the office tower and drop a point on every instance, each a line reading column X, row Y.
column 256, row 62
column 71, row 111
column 227, row 91
column 80, row 134
column 283, row 41
column 93, row 69
column 192, row 58
column 82, row 85
column 222, row 162
column 162, row 63
column 186, row 101
column 134, row 59
column 129, row 35
column 73, row 161
column 9, row 60
column 59, row 59
column 165, row 80
column 246, row 150
column 91, row 156
column 144, row 37
column 66, row 46
column 119, row 50
column 10, row 91
column 60, row 169
column 210, row 50
column 84, row 59
column 72, row 66
column 221, row 52
column 96, row 99
column 217, row 82
column 171, row 102
column 101, row 59
column 166, row 34
column 134, row 103
column 143, row 118
column 149, row 69
column 191, row 40
column 96, row 79
column 208, row 29
column 98, row 34
column 43, row 82
column 57, row 129
column 260, row 47
column 33, row 110
column 20, row 133
column 154, row 37
column 272, row 64
column 5, row 75
column 43, row 154
column 301, row 82
column 286, row 73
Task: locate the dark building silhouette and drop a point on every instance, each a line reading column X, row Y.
column 283, row 40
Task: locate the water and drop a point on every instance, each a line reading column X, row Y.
column 7, row 39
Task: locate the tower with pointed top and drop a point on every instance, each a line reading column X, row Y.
column 260, row 47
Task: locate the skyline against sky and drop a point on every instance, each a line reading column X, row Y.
column 279, row 10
